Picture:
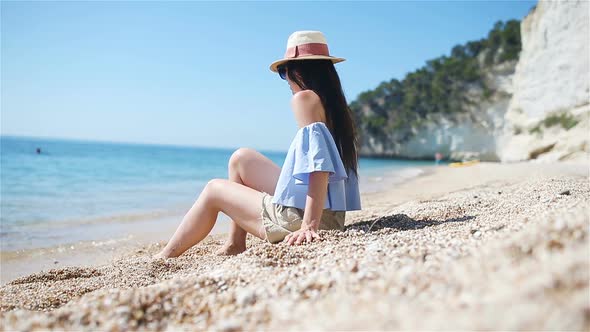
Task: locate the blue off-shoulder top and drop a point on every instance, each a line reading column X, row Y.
column 314, row 149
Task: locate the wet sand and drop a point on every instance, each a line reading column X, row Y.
column 491, row 246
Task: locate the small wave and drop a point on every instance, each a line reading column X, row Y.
column 380, row 183
column 406, row 174
column 7, row 255
column 112, row 219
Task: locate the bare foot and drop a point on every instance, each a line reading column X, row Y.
column 229, row 249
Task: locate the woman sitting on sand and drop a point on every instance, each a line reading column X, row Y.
column 318, row 182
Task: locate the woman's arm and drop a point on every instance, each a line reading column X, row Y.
column 314, row 206
column 308, row 108
column 316, row 198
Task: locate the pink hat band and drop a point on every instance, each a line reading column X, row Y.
column 307, row 49
column 305, row 45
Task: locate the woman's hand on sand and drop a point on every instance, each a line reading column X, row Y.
column 304, row 235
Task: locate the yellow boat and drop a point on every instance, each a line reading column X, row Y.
column 464, row 163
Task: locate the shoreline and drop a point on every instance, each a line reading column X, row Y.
column 138, row 233
column 489, row 246
column 23, row 262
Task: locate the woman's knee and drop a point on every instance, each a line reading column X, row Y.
column 213, row 188
column 239, row 157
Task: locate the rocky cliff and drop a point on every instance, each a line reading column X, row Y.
column 548, row 115
column 529, row 103
column 470, row 133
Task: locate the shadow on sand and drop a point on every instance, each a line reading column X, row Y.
column 401, row 222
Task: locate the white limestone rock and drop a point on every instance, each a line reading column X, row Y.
column 552, row 77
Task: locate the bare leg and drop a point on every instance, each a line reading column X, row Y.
column 239, row 202
column 250, row 168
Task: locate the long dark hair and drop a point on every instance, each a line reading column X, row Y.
column 321, row 77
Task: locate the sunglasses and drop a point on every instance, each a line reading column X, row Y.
column 282, row 69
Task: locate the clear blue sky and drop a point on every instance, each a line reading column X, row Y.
column 196, row 73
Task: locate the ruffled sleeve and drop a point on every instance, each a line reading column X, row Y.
column 315, row 150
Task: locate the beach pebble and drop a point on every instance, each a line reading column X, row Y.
column 229, row 326
column 245, row 297
column 559, row 224
column 374, row 247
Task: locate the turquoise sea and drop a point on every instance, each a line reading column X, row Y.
column 84, row 191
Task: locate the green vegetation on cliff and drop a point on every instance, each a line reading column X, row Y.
column 437, row 87
column 564, row 119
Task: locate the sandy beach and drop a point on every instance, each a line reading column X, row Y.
column 490, row 246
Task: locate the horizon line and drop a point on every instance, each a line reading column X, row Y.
column 93, row 140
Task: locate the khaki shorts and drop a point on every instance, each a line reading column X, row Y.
column 279, row 220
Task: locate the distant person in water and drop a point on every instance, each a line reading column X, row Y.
column 318, row 181
column 438, row 158
column 38, row 150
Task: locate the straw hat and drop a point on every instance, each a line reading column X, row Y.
column 306, row 45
